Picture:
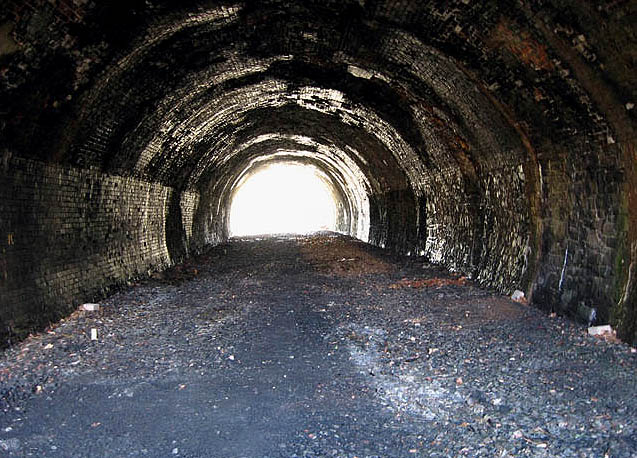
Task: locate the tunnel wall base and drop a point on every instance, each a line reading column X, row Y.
column 69, row 235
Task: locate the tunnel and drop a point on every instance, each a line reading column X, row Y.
column 469, row 284
column 495, row 139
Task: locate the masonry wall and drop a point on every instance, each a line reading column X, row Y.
column 485, row 230
column 69, row 235
column 582, row 239
column 479, row 227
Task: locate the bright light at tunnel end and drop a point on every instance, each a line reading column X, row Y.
column 282, row 198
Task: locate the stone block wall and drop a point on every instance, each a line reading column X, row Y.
column 581, row 240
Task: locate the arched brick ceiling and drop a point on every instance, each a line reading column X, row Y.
column 419, row 54
column 194, row 87
column 440, row 87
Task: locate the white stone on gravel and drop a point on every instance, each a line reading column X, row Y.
column 10, row 445
column 599, row 330
column 90, row 307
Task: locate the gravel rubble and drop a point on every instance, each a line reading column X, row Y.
column 308, row 346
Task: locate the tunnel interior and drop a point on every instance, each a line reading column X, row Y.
column 496, row 140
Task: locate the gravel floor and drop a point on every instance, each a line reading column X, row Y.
column 315, row 346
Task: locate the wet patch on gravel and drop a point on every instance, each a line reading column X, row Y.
column 305, row 346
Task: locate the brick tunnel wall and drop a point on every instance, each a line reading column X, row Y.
column 495, row 139
column 72, row 234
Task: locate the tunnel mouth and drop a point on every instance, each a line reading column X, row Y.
column 283, row 197
column 296, row 192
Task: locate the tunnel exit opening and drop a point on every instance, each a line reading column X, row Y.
column 283, row 197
